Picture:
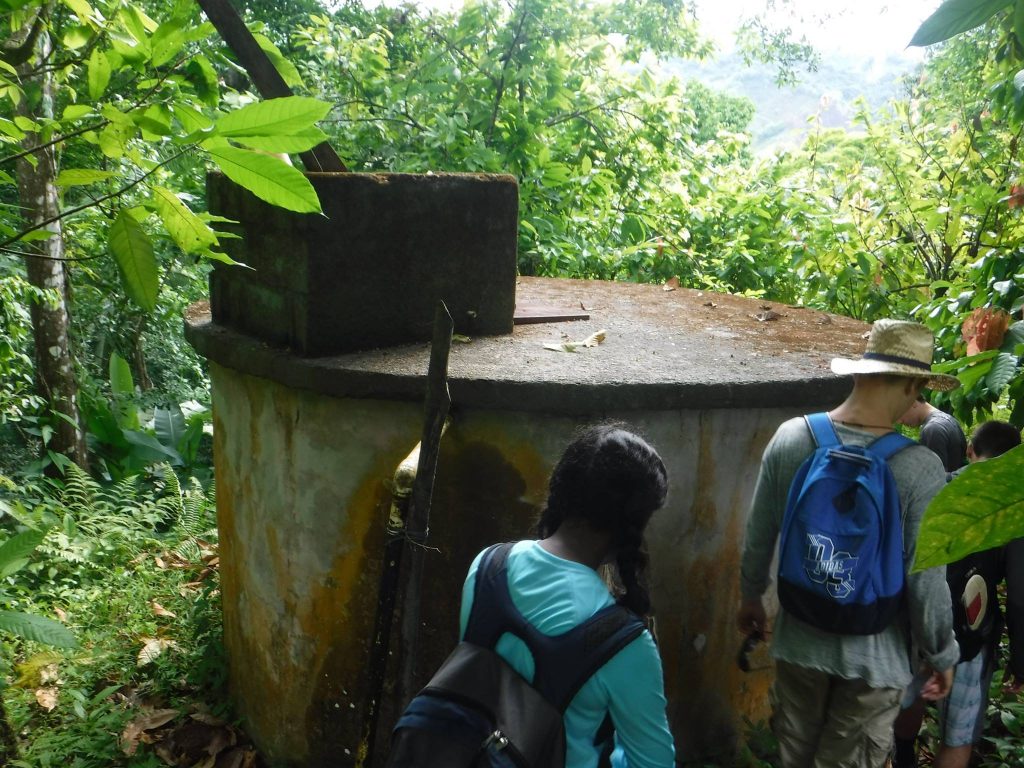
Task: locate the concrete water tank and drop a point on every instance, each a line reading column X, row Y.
column 305, row 449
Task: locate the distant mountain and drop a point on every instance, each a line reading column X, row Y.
column 781, row 117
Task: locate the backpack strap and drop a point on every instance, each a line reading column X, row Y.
column 562, row 663
column 822, row 429
column 889, row 444
column 493, row 609
column 571, row 659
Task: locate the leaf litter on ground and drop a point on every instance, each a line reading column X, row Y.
column 574, row 346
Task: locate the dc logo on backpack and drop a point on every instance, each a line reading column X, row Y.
column 841, row 545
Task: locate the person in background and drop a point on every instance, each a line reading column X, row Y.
column 836, row 695
column 939, row 431
column 978, row 624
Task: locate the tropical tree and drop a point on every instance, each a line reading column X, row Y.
column 134, row 103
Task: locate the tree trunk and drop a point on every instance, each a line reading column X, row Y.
column 46, row 269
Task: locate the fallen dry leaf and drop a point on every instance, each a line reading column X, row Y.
column 671, row 284
column 152, row 648
column 47, row 698
column 132, row 733
column 824, row 320
column 572, row 346
column 768, row 314
column 159, row 610
column 710, row 304
column 585, row 309
column 61, row 614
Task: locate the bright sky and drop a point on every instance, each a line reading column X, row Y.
column 864, row 27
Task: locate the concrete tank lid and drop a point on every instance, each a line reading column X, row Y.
column 664, row 350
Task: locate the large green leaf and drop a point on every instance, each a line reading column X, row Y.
column 38, row 628
column 75, row 177
column 267, row 177
column 168, row 39
column 98, row 73
column 954, row 17
column 983, row 507
column 285, row 68
column 149, row 450
column 295, row 142
column 1003, row 369
column 133, row 252
column 273, row 117
column 189, row 231
column 15, row 551
column 121, row 382
column 169, row 425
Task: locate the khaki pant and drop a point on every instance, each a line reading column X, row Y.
column 825, row 721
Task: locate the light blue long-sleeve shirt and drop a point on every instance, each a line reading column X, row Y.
column 555, row 595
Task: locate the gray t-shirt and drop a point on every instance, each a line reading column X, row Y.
column 941, row 433
column 882, row 660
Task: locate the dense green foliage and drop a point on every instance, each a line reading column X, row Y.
column 125, row 567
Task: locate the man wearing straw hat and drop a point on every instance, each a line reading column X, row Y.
column 836, row 695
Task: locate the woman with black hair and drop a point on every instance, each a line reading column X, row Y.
column 601, row 495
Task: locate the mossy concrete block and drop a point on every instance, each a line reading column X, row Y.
column 369, row 272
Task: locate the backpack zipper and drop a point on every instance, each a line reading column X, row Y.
column 498, row 740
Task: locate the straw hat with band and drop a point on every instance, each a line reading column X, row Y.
column 898, row 347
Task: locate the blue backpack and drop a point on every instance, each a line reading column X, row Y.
column 841, row 547
column 478, row 712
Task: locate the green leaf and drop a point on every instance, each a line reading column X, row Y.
column 78, row 177
column 963, row 362
column 121, row 382
column 267, row 177
column 200, row 72
column 15, row 550
column 98, row 73
column 133, row 252
column 168, row 40
column 114, row 139
column 137, row 23
column 1014, row 336
column 1003, row 369
column 273, row 117
column 296, row 142
column 1018, row 21
column 284, row 67
column 148, row 448
column 971, row 375
column 81, row 8
column 76, row 111
column 983, row 507
column 169, row 425
column 38, row 628
column 188, row 230
column 954, row 17
column 191, row 119
column 77, row 36
column 154, row 119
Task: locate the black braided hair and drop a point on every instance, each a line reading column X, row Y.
column 613, row 480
